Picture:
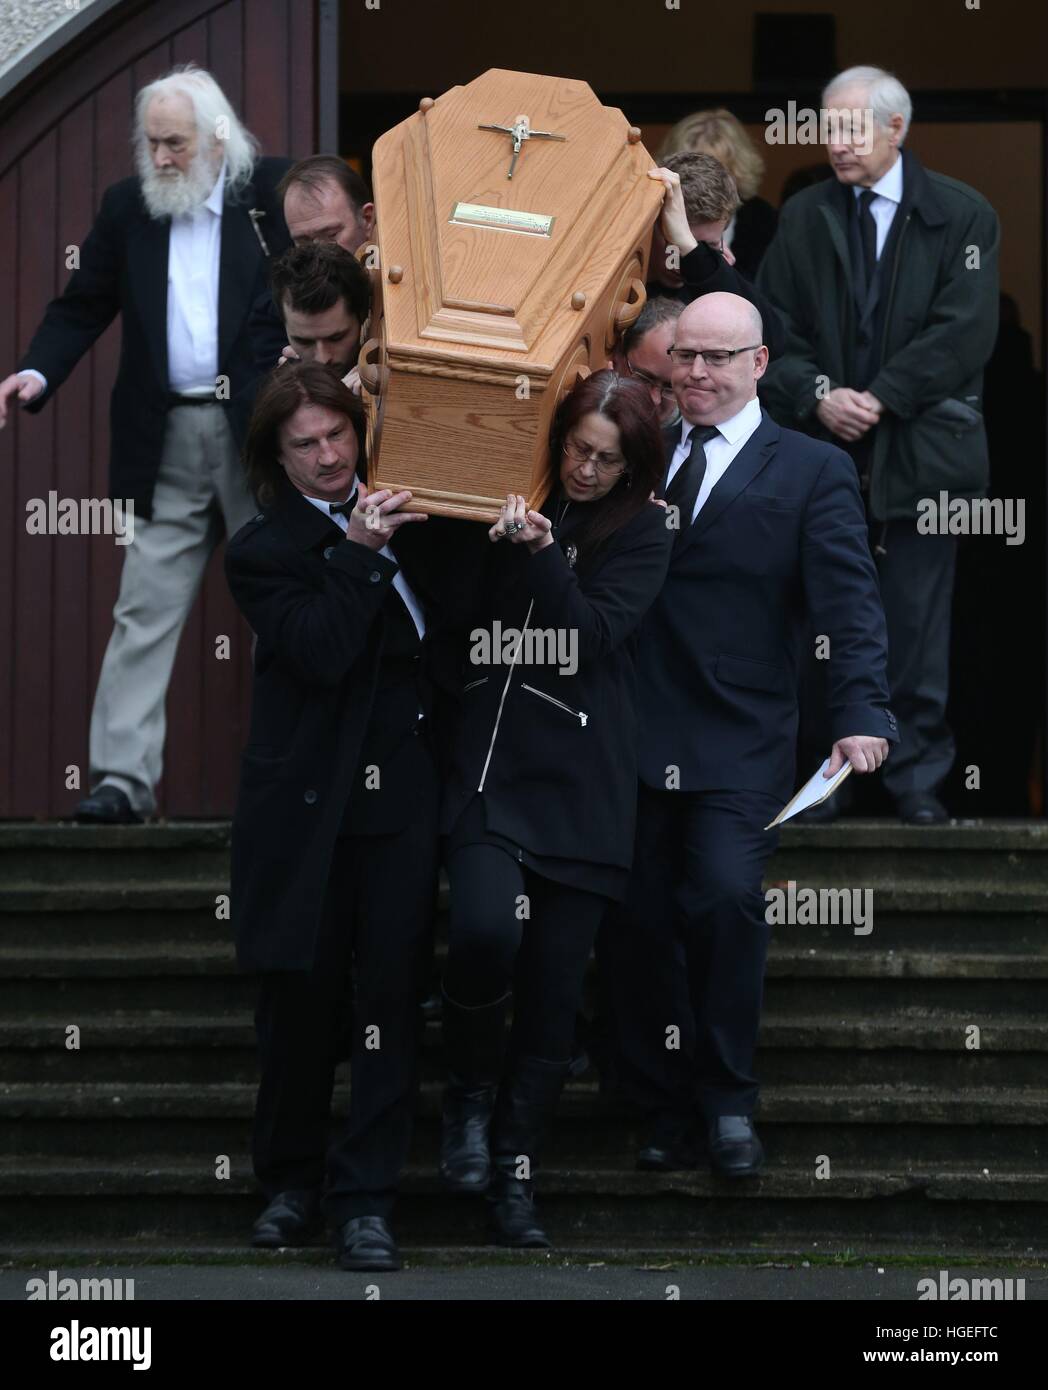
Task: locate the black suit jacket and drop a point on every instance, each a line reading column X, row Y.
column 557, row 753
column 123, row 270
column 779, row 550
column 322, row 608
column 754, row 228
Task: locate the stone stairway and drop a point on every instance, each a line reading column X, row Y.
column 886, row 1128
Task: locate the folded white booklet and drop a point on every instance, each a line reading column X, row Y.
column 816, row 789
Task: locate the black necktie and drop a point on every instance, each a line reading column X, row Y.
column 868, row 233
column 344, row 507
column 684, row 488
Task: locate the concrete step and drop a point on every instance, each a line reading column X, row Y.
column 188, row 917
column 581, row 1134
column 891, row 892
column 929, row 1050
column 207, row 985
column 829, row 956
column 153, row 959
column 149, row 1198
column 868, row 1104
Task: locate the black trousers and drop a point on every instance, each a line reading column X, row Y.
column 916, row 579
column 683, row 959
column 369, row 974
column 509, row 926
column 917, row 574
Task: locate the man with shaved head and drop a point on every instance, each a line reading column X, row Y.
column 771, row 537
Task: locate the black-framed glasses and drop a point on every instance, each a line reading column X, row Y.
column 713, row 357
column 664, row 388
column 608, row 464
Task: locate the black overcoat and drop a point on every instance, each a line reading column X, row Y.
column 940, row 324
column 315, row 602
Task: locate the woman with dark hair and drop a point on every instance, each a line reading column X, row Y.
column 539, row 808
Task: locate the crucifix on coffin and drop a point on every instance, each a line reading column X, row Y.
column 518, row 132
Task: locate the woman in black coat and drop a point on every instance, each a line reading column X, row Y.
column 540, row 803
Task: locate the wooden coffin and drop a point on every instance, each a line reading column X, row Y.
column 494, row 294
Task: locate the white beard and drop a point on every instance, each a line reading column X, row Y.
column 174, row 194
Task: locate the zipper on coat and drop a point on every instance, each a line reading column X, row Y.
column 577, row 714
column 502, row 698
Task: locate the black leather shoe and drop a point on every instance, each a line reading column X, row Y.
column 513, row 1216
column 366, row 1242
column 107, row 806
column 921, row 808
column 670, row 1145
column 735, row 1150
column 292, row 1218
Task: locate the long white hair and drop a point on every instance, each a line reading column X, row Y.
column 215, row 118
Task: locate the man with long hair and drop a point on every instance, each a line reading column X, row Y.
column 180, row 252
column 334, row 852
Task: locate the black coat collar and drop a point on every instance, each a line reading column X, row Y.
column 918, row 193
column 306, row 524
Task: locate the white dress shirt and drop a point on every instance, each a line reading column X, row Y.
column 719, row 451
column 192, row 296
column 887, row 195
column 401, row 585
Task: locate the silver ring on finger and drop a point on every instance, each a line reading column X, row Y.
column 511, row 528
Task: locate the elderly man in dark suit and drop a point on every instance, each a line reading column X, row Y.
column 180, row 252
column 886, row 279
column 771, row 536
column 335, row 831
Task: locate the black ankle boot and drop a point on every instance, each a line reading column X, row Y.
column 474, row 1045
column 526, row 1102
column 513, row 1217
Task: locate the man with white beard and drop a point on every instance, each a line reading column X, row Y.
column 180, row 252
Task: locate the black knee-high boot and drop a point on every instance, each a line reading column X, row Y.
column 474, row 1046
column 527, row 1100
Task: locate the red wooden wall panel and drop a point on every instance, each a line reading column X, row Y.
column 33, row 773
column 9, row 518
column 64, row 137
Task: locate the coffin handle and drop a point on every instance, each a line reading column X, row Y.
column 629, row 309
column 369, row 371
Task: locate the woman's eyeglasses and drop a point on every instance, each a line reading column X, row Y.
column 607, row 464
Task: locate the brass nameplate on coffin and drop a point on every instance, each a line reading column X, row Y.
column 501, row 219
